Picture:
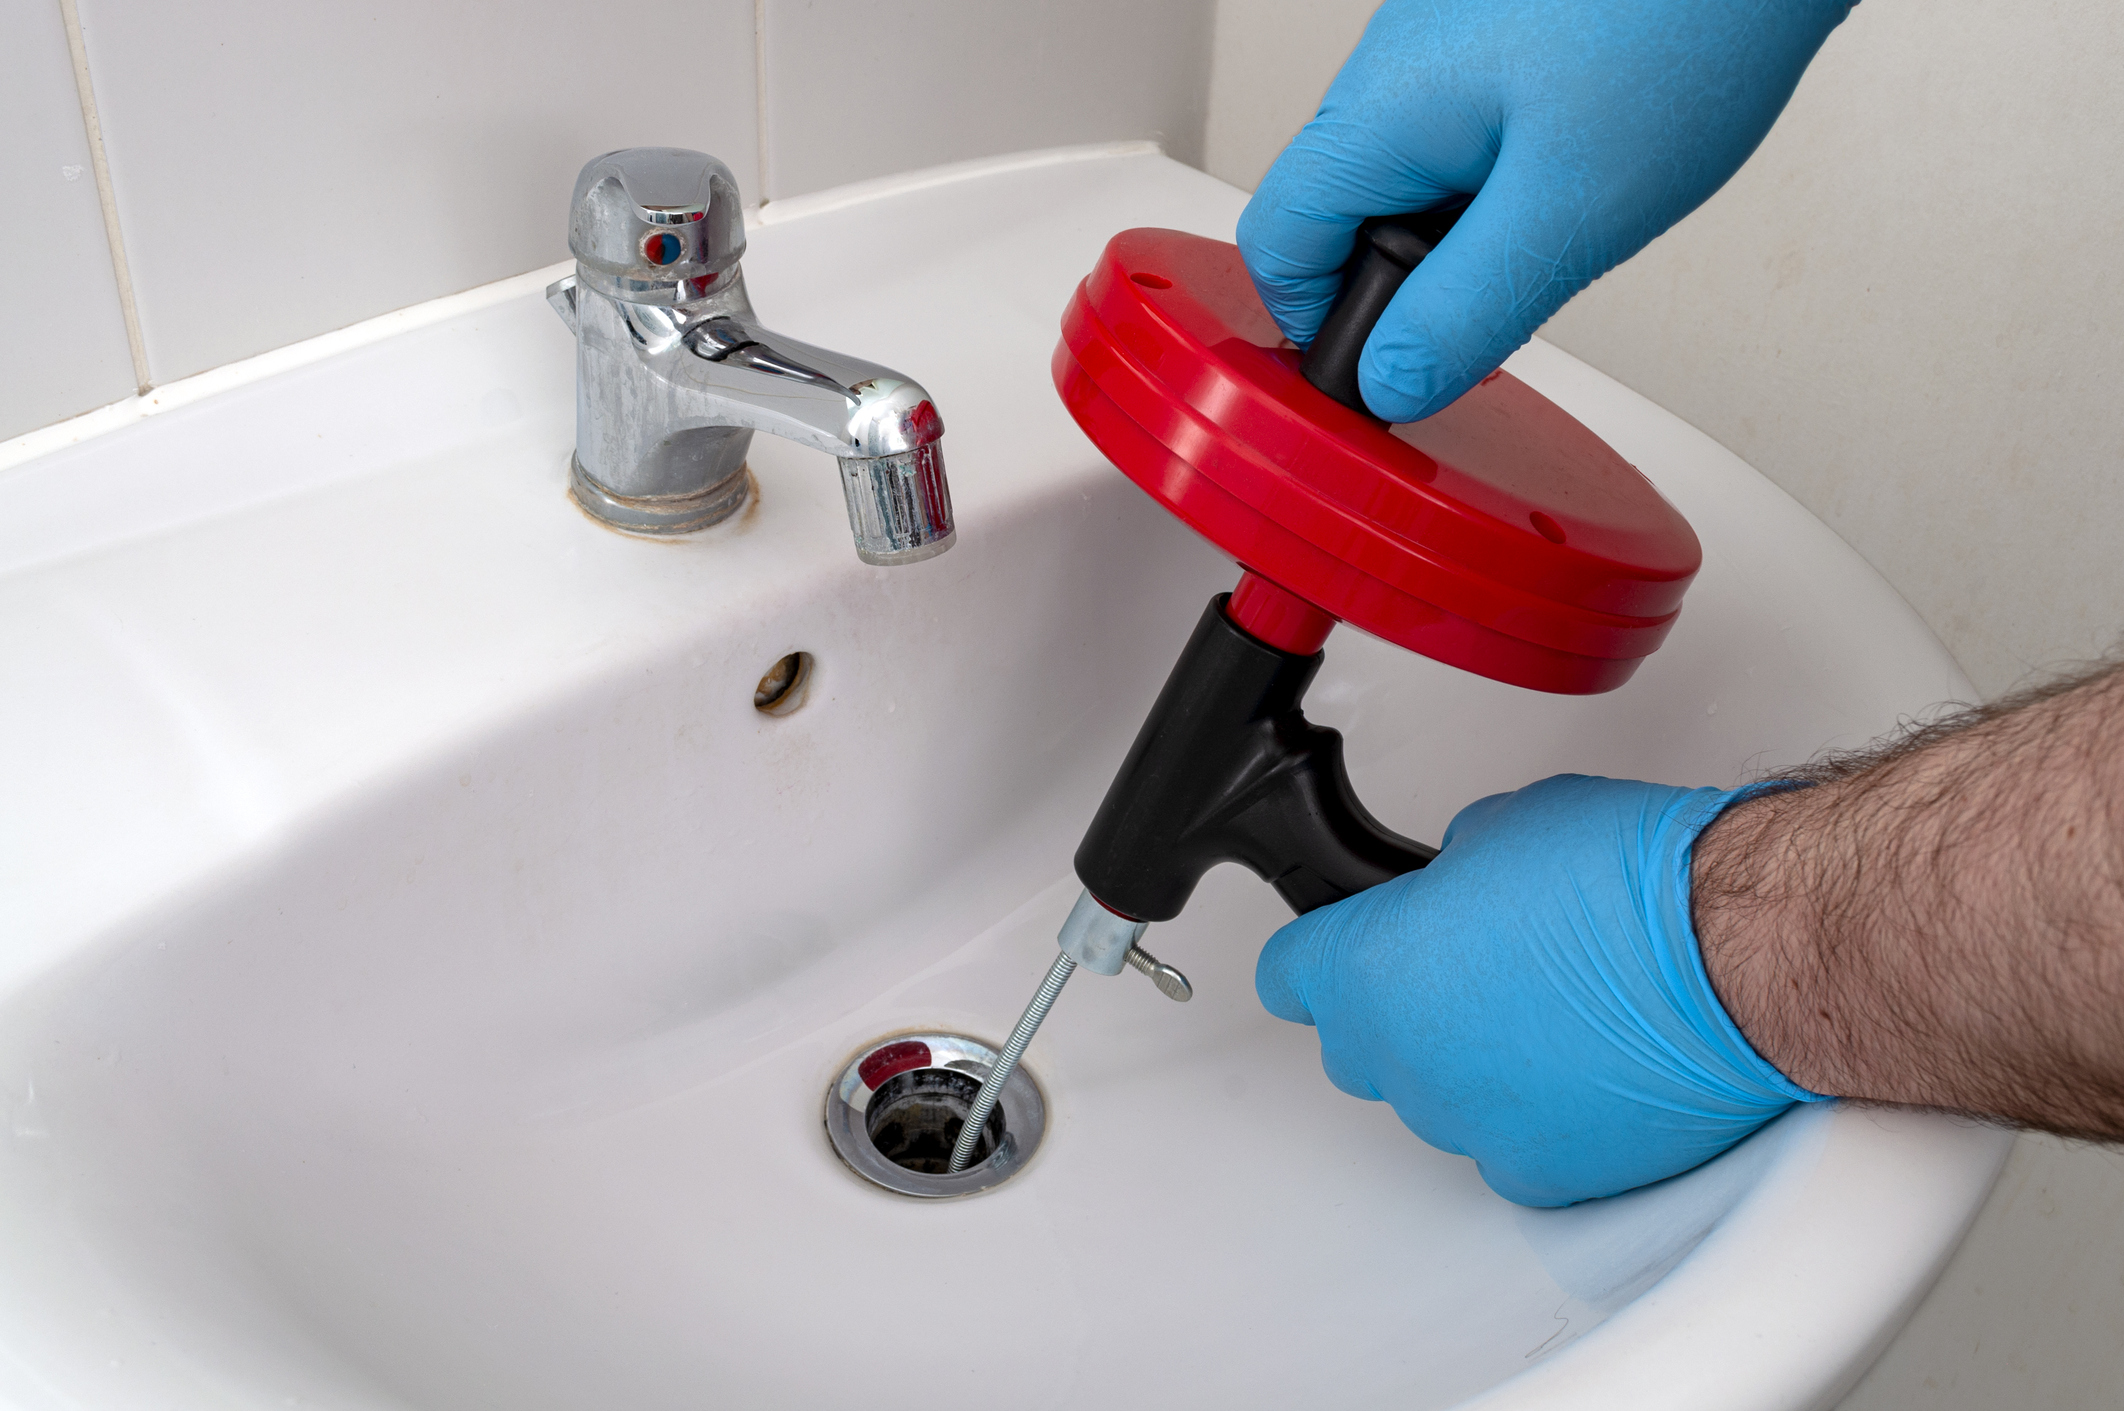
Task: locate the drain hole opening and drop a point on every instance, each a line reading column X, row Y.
column 897, row 1109
column 784, row 686
column 914, row 1119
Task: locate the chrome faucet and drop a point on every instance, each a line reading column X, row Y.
column 673, row 372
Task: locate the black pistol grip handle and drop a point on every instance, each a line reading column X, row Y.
column 1227, row 769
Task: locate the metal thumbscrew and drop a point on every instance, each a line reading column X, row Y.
column 1170, row 982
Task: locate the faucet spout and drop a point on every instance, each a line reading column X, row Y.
column 674, row 372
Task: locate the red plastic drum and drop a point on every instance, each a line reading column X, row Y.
column 1499, row 535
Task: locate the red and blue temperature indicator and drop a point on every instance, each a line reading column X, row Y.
column 662, row 248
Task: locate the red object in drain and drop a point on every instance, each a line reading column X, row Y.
column 891, row 1061
column 1499, row 535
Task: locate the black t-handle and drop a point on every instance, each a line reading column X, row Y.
column 1388, row 249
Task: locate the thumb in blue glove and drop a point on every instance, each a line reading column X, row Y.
column 1587, row 126
column 1534, row 998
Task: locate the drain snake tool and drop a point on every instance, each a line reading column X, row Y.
column 1498, row 535
column 1115, row 930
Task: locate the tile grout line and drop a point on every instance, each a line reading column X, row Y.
column 70, row 15
column 759, row 92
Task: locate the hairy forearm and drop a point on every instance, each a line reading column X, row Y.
column 1941, row 923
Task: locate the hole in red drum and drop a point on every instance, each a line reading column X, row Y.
column 892, row 1060
column 1152, row 281
column 1548, row 528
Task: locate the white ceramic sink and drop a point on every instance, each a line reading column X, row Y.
column 423, row 968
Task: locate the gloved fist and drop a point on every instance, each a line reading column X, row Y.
column 1534, row 998
column 1588, row 127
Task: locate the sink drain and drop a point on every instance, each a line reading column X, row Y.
column 897, row 1109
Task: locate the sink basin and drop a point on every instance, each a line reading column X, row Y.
column 425, row 967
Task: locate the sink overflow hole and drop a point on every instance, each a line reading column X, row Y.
column 915, row 1119
column 784, row 686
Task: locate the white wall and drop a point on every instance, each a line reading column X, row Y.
column 1270, row 62
column 931, row 81
column 1908, row 310
column 64, row 348
column 278, row 171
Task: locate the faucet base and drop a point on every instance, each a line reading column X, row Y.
column 660, row 515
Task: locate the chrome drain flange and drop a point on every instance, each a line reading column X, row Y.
column 897, row 1109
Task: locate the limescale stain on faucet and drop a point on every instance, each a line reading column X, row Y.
column 674, row 372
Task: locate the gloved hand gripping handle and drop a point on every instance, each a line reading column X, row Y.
column 1388, row 250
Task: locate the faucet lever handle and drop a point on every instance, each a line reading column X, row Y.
column 655, row 225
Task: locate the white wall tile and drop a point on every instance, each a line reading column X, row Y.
column 1269, row 67
column 286, row 169
column 64, row 347
column 858, row 89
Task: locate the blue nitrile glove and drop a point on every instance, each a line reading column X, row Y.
column 1534, row 998
column 1588, row 127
